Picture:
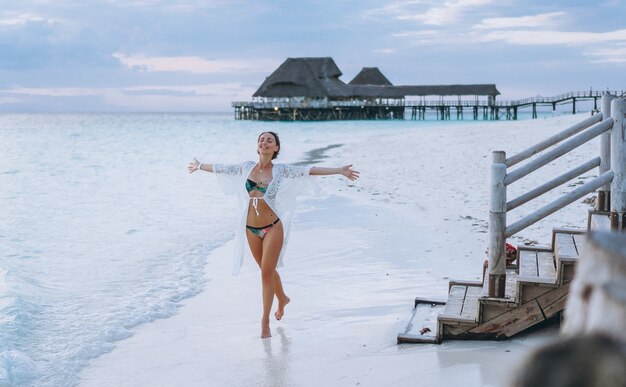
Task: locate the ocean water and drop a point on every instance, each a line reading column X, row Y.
column 102, row 229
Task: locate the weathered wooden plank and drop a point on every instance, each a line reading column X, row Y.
column 569, row 230
column 423, row 326
column 535, row 248
column 537, row 281
column 462, row 282
column 486, row 283
column 511, row 285
column 531, row 290
column 455, row 319
column 490, row 311
column 510, row 323
column 567, row 272
column 565, row 247
column 456, row 295
column 545, row 265
column 528, row 263
column 600, row 221
column 579, row 241
column 554, row 301
column 557, row 306
column 470, row 305
column 452, row 331
column 552, row 296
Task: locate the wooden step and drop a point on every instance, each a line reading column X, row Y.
column 537, row 273
column 567, row 244
column 462, row 304
column 536, row 263
column 520, row 318
column 423, row 326
column 491, row 307
column 510, row 289
column 599, row 220
column 461, row 312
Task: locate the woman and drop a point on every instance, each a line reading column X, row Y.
column 267, row 192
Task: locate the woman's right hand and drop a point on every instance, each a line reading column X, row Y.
column 193, row 166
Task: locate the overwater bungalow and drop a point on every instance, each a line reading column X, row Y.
column 310, row 89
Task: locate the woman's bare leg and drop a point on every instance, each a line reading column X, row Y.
column 256, row 247
column 272, row 244
column 281, row 296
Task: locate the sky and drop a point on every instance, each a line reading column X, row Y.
column 198, row 56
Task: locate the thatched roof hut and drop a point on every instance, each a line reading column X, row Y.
column 304, row 77
column 319, row 78
column 370, row 76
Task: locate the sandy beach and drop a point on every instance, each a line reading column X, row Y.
column 358, row 256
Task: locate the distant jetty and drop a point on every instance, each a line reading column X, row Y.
column 309, row 89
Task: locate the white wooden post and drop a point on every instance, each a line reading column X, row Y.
column 604, row 193
column 497, row 224
column 618, row 164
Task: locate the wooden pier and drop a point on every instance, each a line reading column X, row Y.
column 293, row 110
column 264, row 111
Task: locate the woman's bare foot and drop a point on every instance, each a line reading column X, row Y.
column 280, row 311
column 265, row 329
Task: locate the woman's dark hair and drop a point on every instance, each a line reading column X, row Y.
column 277, row 143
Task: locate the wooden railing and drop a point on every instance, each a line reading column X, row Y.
column 610, row 124
column 326, row 104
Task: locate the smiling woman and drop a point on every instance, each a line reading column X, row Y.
column 267, row 197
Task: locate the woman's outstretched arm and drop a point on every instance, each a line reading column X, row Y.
column 346, row 171
column 195, row 165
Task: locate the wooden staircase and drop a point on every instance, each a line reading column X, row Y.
column 537, row 286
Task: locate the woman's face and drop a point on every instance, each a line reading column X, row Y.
column 267, row 144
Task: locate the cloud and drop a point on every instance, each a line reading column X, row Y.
column 193, row 64
column 549, row 37
column 608, row 55
column 447, row 13
column 201, row 89
column 428, row 12
column 200, row 97
column 541, row 20
column 17, row 19
column 9, row 100
column 388, row 50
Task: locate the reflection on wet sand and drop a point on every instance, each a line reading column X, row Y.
column 276, row 362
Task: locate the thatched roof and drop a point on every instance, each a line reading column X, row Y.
column 371, row 91
column 319, row 78
column 370, row 76
column 304, row 77
column 481, row 89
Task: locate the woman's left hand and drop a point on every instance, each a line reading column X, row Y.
column 350, row 173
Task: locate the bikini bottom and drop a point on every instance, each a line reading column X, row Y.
column 262, row 231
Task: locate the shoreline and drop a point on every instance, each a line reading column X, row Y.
column 345, row 325
column 356, row 260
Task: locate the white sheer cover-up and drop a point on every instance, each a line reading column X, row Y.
column 287, row 182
